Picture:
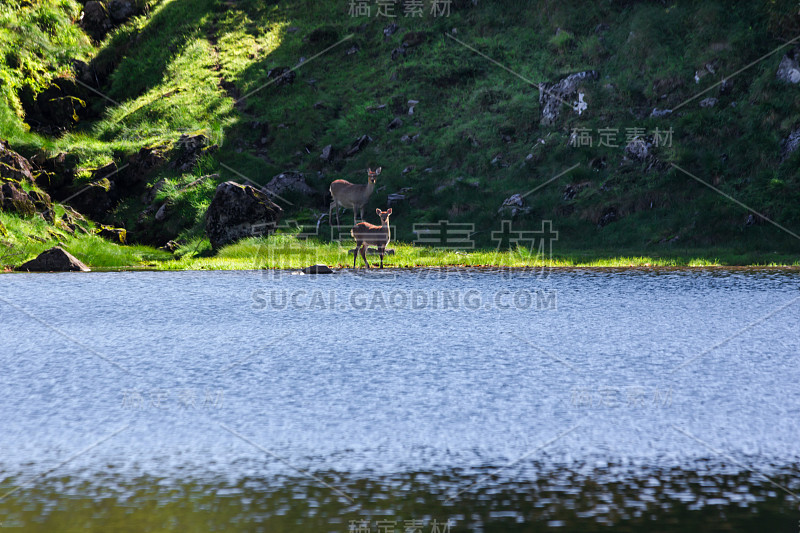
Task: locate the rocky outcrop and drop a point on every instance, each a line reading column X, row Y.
column 239, row 211
column 95, row 19
column 552, row 96
column 514, row 205
column 789, row 67
column 55, row 259
column 16, row 200
column 14, row 167
column 358, row 145
column 57, row 108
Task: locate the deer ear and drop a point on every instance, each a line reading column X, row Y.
column 369, row 170
column 378, row 171
column 378, row 210
column 389, row 212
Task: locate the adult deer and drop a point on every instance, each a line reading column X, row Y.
column 365, row 234
column 352, row 196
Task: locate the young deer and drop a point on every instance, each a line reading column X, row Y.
column 365, row 234
column 352, row 196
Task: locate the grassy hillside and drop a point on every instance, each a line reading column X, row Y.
column 473, row 140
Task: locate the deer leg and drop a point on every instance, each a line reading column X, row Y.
column 330, row 213
column 355, row 254
column 364, row 254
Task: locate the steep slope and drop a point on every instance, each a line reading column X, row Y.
column 273, row 84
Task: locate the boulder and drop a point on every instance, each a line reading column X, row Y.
column 317, row 269
column 56, row 173
column 95, row 19
column 708, row 102
column 293, row 182
column 16, row 200
column 117, row 235
column 239, row 211
column 55, row 259
column 552, row 96
column 14, row 167
column 638, row 149
column 789, row 67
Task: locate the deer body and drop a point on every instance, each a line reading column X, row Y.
column 351, row 195
column 365, row 234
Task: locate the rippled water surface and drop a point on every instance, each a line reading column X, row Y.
column 578, row 399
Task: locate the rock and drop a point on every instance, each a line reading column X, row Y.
column 394, row 124
column 389, row 30
column 95, row 20
column 414, row 38
column 94, row 200
column 393, row 198
column 352, row 50
column 140, row 166
column 55, row 259
column 514, row 205
column 397, row 52
column 358, row 145
column 374, row 108
column 317, row 269
column 150, row 195
column 122, row 10
column 789, row 67
column 239, row 211
column 170, row 246
column 189, row 149
column 608, row 217
column 658, row 113
column 327, row 154
column 16, row 200
column 790, row 144
column 56, row 173
column 320, row 105
column 408, row 169
column 14, row 167
column 162, row 213
column 708, row 102
column 282, row 76
column 554, row 95
column 42, row 204
column 60, row 106
column 290, row 181
column 118, row 235
column 638, row 149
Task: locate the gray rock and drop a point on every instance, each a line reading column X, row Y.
column 239, row 211
column 289, row 181
column 327, row 154
column 55, row 259
column 552, row 96
column 163, row 211
column 708, row 102
column 317, row 269
column 638, row 149
column 14, row 167
column 789, row 67
column 394, row 124
column 121, row 10
column 790, row 144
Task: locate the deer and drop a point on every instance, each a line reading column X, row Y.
column 365, row 234
column 352, row 196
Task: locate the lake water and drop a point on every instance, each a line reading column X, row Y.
column 567, row 400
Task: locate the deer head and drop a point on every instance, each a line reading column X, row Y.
column 384, row 215
column 373, row 174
